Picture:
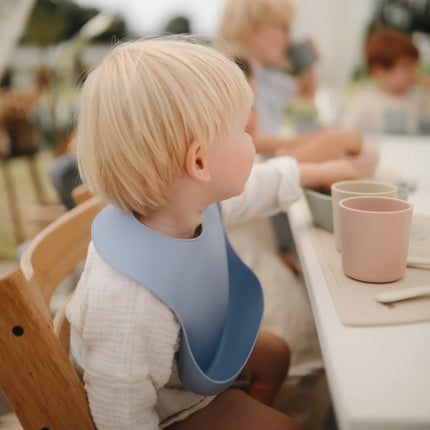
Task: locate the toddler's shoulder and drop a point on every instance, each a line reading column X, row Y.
column 112, row 296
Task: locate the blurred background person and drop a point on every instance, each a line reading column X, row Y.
column 259, row 30
column 397, row 102
column 287, row 311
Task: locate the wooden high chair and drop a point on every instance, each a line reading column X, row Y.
column 81, row 193
column 36, row 374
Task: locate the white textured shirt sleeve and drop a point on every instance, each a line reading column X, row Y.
column 272, row 186
column 124, row 340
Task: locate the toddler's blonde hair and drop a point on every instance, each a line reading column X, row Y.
column 240, row 18
column 141, row 109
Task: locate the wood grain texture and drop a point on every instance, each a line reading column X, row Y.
column 36, row 374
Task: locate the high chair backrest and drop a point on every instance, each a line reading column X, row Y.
column 36, row 374
column 81, row 193
column 57, row 249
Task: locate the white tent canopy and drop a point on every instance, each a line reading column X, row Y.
column 338, row 29
column 13, row 18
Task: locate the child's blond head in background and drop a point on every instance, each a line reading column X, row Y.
column 241, row 18
column 142, row 108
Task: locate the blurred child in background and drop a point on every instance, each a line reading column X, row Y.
column 287, row 309
column 259, row 30
column 396, row 103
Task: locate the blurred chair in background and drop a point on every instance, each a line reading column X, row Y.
column 64, row 175
column 19, row 138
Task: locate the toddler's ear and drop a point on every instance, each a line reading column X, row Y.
column 196, row 162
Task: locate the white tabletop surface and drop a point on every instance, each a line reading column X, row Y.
column 379, row 376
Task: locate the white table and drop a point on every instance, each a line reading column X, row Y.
column 379, row 376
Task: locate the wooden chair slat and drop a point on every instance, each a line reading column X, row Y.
column 57, row 249
column 36, row 374
column 81, row 194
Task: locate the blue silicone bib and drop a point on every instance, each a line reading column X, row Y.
column 214, row 295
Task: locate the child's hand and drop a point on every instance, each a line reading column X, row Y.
column 334, row 171
column 354, row 141
column 323, row 175
column 350, row 140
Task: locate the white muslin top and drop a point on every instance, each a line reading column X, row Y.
column 374, row 110
column 124, row 339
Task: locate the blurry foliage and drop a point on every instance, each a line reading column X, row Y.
column 405, row 15
column 360, row 73
column 52, row 21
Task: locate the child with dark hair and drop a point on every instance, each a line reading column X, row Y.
column 394, row 104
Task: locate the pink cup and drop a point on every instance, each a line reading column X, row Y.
column 374, row 233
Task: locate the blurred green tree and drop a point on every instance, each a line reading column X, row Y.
column 52, row 21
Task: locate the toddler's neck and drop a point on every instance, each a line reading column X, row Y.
column 178, row 224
